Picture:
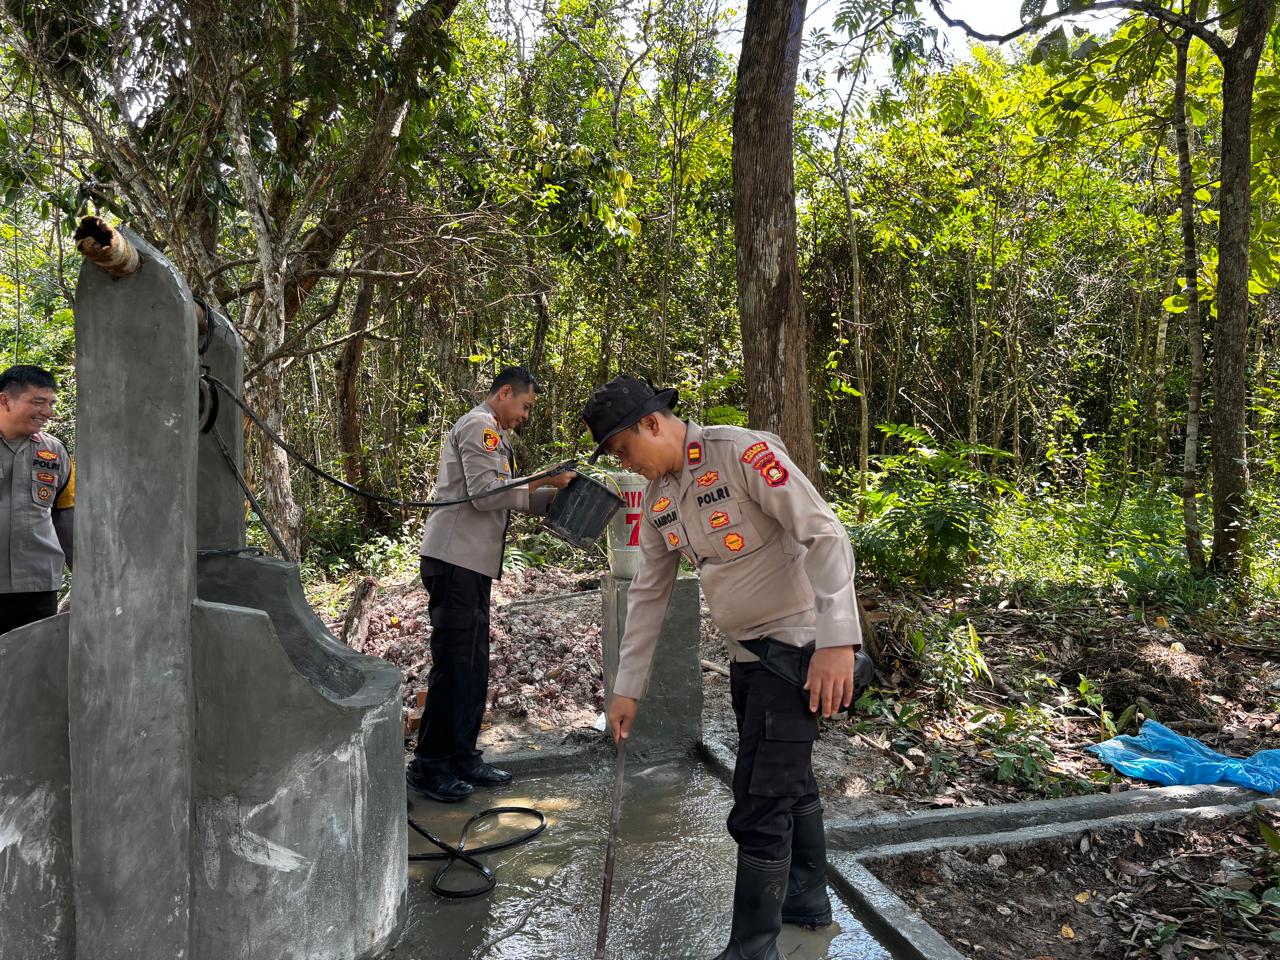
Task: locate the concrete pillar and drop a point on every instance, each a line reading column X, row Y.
column 129, row 655
column 220, row 519
column 669, row 719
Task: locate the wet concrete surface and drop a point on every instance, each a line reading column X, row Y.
column 673, row 883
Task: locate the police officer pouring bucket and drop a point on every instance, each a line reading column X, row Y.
column 776, row 569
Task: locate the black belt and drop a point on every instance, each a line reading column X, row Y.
column 789, row 662
column 792, row 663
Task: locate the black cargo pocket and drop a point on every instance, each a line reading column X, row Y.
column 450, row 604
column 781, row 767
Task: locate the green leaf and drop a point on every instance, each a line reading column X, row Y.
column 1203, row 195
column 1271, row 837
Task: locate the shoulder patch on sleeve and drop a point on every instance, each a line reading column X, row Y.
column 754, row 451
column 489, row 439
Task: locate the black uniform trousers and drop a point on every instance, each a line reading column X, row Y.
column 458, row 685
column 19, row 609
column 774, row 773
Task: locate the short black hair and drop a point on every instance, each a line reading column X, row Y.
column 519, row 379
column 23, row 377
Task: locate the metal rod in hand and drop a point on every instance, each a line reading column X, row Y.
column 614, row 817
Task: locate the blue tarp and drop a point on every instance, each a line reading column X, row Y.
column 1159, row 754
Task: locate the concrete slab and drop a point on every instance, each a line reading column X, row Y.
column 672, row 887
column 37, row 916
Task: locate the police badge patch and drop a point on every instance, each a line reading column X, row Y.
column 707, row 479
column 734, row 541
column 661, row 504
column 693, row 453
column 754, row 451
column 489, row 439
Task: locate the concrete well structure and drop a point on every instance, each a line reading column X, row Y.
column 190, row 765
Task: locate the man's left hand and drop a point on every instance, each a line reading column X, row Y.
column 830, row 682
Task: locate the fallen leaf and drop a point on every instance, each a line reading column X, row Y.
column 1082, row 896
column 1067, row 932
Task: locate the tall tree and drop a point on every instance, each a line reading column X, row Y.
column 289, row 116
column 1250, row 22
column 770, row 302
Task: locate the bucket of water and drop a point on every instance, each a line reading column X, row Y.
column 580, row 511
column 624, row 528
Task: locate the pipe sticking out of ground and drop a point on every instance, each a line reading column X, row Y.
column 106, row 248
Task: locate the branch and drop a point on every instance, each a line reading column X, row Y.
column 1212, row 40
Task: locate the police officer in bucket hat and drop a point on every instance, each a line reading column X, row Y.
column 776, row 569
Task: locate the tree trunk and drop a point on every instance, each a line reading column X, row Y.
column 1231, row 344
column 1195, row 340
column 770, row 302
column 347, row 376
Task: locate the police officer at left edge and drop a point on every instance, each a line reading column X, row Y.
column 37, row 498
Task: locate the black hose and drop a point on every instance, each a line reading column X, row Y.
column 301, row 459
column 460, row 854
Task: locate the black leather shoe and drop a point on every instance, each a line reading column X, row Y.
column 443, row 787
column 485, row 775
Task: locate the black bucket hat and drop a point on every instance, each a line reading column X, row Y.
column 620, row 403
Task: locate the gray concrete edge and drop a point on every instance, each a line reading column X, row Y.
column 886, row 915
column 855, row 835
column 1027, row 836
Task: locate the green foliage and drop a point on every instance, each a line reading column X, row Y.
column 931, row 509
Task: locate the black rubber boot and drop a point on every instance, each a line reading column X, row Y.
column 807, row 903
column 757, row 909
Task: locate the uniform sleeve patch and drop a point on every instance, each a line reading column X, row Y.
column 754, row 451
column 44, row 493
column 693, row 453
column 489, row 439
column 734, row 541
column 661, row 504
column 775, row 475
column 707, row 479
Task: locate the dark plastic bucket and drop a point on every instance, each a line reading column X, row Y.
column 581, row 511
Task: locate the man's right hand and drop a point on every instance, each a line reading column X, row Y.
column 622, row 713
column 557, row 480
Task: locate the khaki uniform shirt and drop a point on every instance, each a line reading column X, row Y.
column 773, row 559
column 477, row 456
column 37, row 483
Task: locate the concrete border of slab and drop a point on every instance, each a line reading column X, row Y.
column 853, row 844
column 901, row 828
column 885, row 914
column 554, row 759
